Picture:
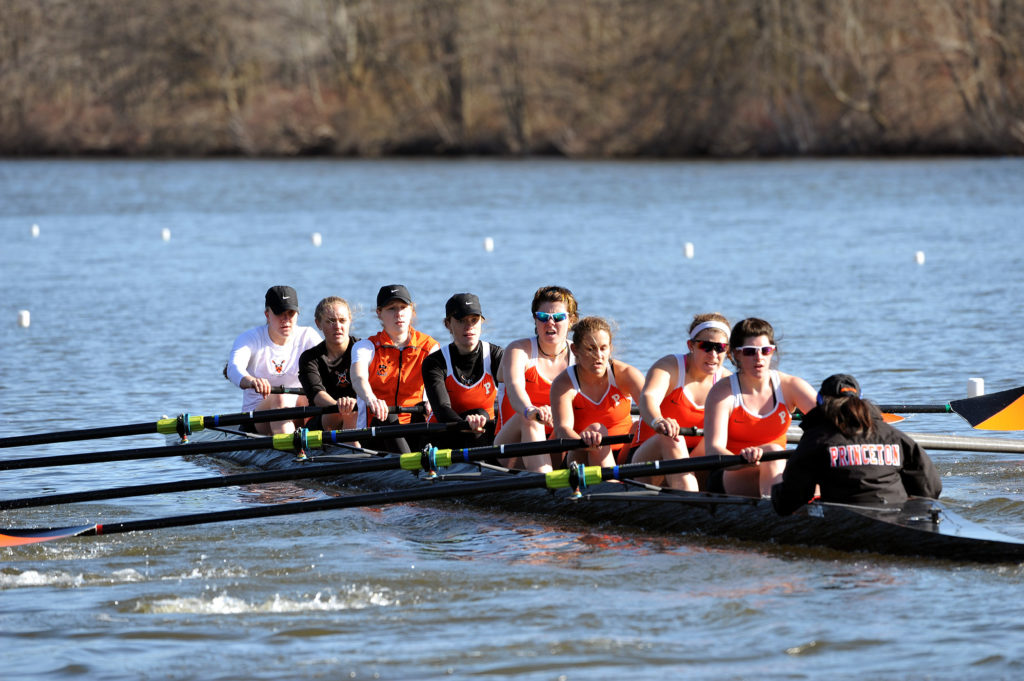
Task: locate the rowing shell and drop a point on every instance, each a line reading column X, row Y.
column 921, row 527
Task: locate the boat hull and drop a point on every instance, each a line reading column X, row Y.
column 921, row 527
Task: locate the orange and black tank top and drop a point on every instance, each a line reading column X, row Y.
column 537, row 387
column 749, row 429
column 463, row 397
column 612, row 410
column 680, row 406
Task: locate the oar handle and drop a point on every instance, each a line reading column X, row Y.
column 915, row 408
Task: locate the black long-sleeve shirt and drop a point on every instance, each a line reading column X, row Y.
column 874, row 470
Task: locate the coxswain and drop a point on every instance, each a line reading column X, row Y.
column 853, row 455
column 673, row 397
column 530, row 365
column 460, row 379
column 750, row 413
column 267, row 356
column 387, row 367
column 324, row 369
column 591, row 399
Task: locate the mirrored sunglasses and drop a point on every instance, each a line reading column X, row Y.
column 751, row 350
column 555, row 316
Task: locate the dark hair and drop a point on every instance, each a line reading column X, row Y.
column 751, row 326
column 748, row 328
column 555, row 294
column 850, row 414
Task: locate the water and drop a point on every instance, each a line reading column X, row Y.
column 126, row 328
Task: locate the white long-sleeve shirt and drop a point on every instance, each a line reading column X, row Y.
column 254, row 354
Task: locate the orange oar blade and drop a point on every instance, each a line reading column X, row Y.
column 34, row 536
column 893, row 418
column 998, row 411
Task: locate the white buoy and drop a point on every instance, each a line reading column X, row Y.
column 24, row 319
column 975, row 387
column 316, row 239
column 688, row 250
column 165, row 234
column 35, row 231
column 488, row 244
column 919, row 257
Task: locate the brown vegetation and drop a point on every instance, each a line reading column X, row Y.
column 605, row 78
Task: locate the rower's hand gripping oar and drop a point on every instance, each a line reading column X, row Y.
column 577, row 478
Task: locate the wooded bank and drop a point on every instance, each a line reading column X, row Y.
column 605, row 78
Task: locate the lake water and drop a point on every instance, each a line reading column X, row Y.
column 127, row 327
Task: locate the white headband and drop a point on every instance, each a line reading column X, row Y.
column 709, row 325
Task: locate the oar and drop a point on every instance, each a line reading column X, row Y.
column 182, row 425
column 428, row 460
column 576, row 478
column 1003, row 410
column 300, row 440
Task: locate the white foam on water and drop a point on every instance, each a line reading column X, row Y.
column 355, row 598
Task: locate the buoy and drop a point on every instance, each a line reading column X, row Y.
column 35, row 231
column 488, row 244
column 919, row 257
column 688, row 250
column 165, row 234
column 24, row 319
column 316, row 239
column 975, row 387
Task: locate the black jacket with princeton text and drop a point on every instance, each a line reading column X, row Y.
column 876, row 470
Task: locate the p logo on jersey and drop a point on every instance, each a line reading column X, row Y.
column 278, row 367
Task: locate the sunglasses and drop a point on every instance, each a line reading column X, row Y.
column 752, row 350
column 711, row 346
column 554, row 316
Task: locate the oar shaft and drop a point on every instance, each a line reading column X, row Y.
column 443, row 491
column 554, row 480
column 412, row 462
column 915, row 408
column 169, row 426
column 282, row 442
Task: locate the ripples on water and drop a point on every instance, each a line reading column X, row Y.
column 126, row 328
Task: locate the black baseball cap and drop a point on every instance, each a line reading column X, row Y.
column 393, row 292
column 281, row 298
column 838, row 385
column 462, row 305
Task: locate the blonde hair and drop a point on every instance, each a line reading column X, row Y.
column 328, row 302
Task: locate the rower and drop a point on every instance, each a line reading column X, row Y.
column 324, row 368
column 853, row 455
column 750, row 413
column 673, row 397
column 460, row 379
column 267, row 356
column 530, row 365
column 388, row 366
column 591, row 400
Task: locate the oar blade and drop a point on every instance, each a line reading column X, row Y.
column 997, row 411
column 21, row 537
column 892, row 418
